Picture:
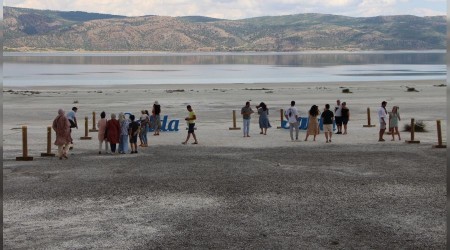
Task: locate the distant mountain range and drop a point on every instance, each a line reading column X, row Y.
column 45, row 30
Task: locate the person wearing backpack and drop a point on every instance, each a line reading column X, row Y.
column 291, row 115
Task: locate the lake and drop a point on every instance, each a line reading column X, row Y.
column 72, row 68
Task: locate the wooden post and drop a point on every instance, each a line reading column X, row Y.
column 439, row 133
column 281, row 118
column 86, row 136
column 234, row 122
column 25, row 156
column 368, row 120
column 94, row 129
column 49, row 143
column 412, row 132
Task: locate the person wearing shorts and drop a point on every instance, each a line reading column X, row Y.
column 327, row 117
column 382, row 114
column 191, row 125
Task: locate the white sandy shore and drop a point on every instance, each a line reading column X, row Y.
column 214, row 104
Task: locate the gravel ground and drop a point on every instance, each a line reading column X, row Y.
column 326, row 196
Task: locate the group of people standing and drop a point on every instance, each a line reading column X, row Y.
column 341, row 116
column 110, row 131
column 263, row 112
column 125, row 130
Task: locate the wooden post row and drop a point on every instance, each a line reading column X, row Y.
column 281, row 118
column 94, row 129
column 439, row 134
column 234, row 122
column 49, row 143
column 412, row 132
column 86, row 136
column 24, row 156
column 368, row 120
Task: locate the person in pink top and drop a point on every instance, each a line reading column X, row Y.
column 101, row 125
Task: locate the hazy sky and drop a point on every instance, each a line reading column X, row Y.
column 238, row 9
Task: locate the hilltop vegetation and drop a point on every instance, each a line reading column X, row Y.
column 28, row 29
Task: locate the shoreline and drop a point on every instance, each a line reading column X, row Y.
column 223, row 85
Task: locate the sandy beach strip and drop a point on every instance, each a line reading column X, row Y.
column 214, row 104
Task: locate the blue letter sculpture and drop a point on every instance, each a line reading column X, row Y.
column 165, row 126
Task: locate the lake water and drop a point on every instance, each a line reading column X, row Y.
column 70, row 68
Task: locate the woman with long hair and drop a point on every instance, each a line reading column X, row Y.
column 313, row 123
column 264, row 123
column 394, row 117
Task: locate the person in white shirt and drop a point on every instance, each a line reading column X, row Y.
column 291, row 115
column 382, row 114
column 338, row 116
column 71, row 115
